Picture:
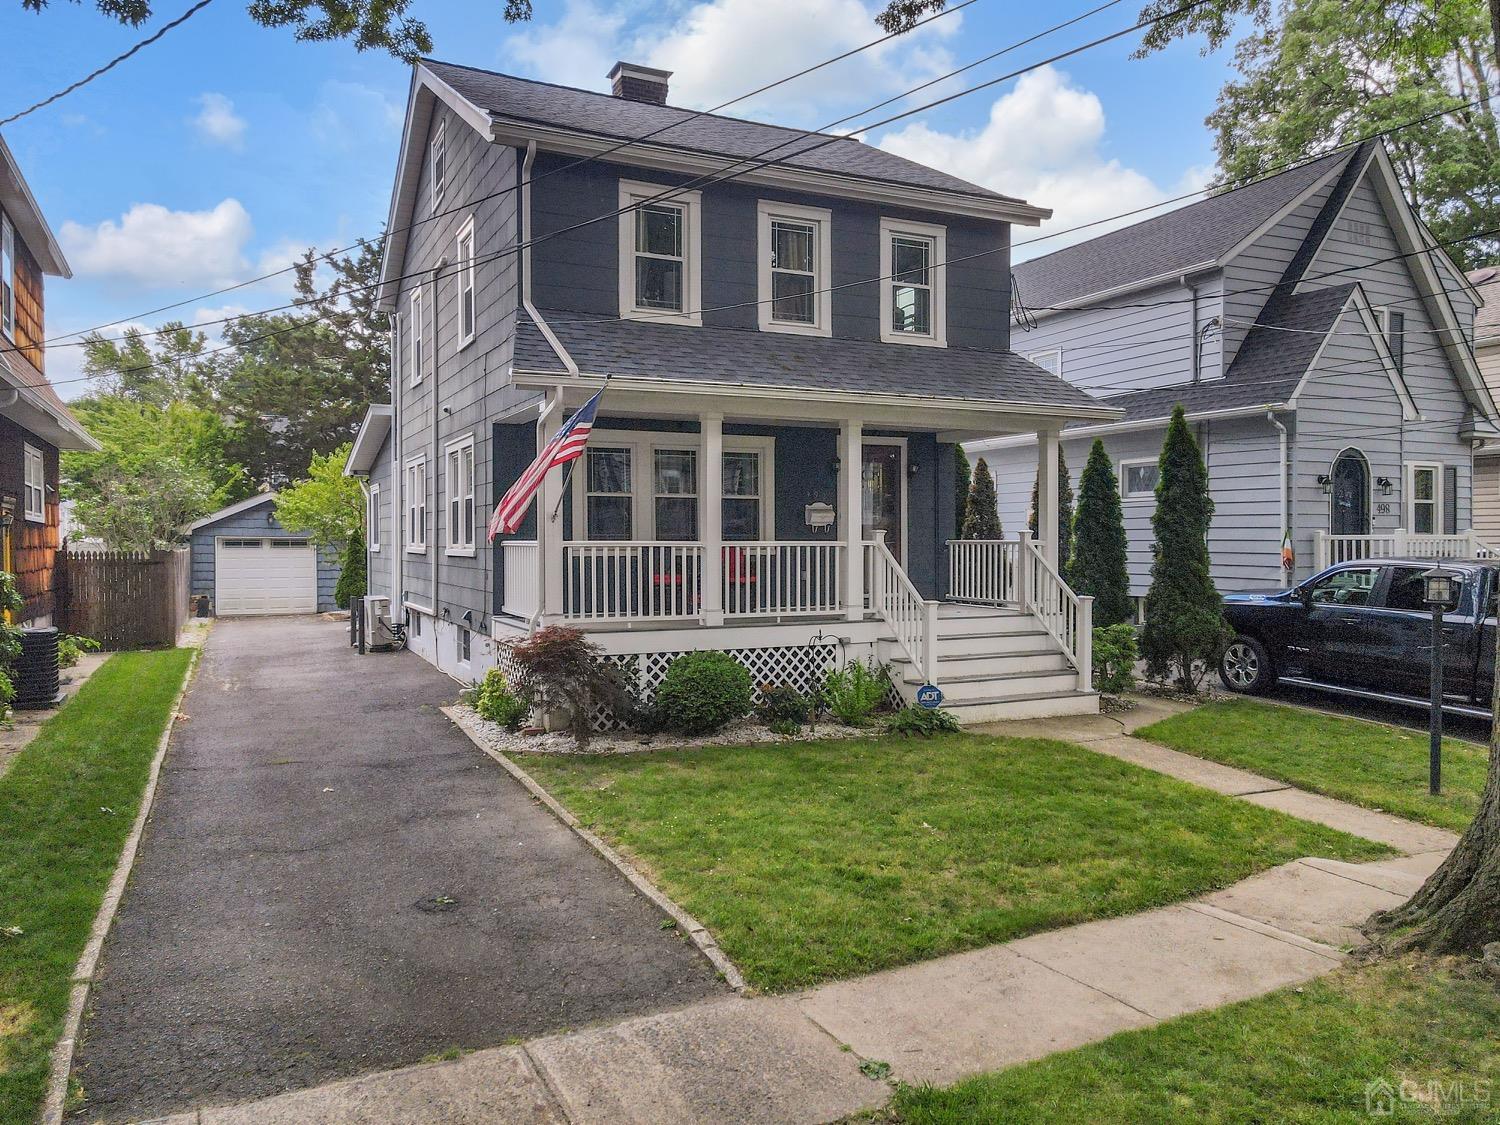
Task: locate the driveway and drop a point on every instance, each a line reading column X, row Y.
column 334, row 880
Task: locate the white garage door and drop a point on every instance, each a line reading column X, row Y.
column 265, row 576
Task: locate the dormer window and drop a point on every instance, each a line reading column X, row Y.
column 794, row 245
column 439, row 163
column 912, row 305
column 660, row 260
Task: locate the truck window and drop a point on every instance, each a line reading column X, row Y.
column 1408, row 590
column 1346, row 587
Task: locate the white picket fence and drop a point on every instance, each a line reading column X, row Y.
column 1329, row 550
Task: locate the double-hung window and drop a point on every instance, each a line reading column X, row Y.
column 742, row 495
column 608, row 495
column 459, row 481
column 913, row 308
column 466, row 285
column 35, row 484
column 675, row 494
column 372, row 520
column 414, row 332
column 1424, row 498
column 439, row 163
column 660, row 267
column 416, row 505
column 7, row 277
column 795, row 247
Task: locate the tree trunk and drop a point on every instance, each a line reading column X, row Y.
column 1458, row 908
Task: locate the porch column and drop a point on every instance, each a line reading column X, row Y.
column 549, row 532
column 851, row 517
column 1046, row 494
column 711, row 514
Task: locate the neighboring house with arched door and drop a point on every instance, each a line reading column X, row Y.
column 1317, row 337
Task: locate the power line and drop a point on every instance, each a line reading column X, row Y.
column 114, row 62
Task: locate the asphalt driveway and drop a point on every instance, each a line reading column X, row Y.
column 334, row 880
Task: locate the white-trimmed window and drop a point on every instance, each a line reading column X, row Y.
column 1138, row 479
column 35, row 484
column 465, row 259
column 439, row 163
column 416, row 361
column 913, row 308
column 372, row 519
column 660, row 255
column 744, row 493
column 7, row 276
column 1393, row 328
column 795, row 249
column 1424, row 498
column 674, row 498
column 608, row 498
column 1049, row 361
column 415, row 491
column 458, row 479
column 464, row 644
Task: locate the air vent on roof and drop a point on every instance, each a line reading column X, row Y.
column 639, row 83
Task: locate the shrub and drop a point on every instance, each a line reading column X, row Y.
column 1098, row 562
column 702, row 692
column 982, row 513
column 495, row 701
column 786, row 726
column 781, row 703
column 70, row 649
column 353, row 577
column 853, row 692
column 921, row 722
column 1115, row 654
column 560, row 669
column 11, row 606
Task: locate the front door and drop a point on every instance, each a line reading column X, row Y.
column 1351, row 495
column 881, row 493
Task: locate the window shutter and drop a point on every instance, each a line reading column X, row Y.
column 1450, row 499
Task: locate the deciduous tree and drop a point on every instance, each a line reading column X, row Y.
column 327, row 506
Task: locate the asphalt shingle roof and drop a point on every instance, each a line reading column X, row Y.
column 603, row 345
column 1487, row 318
column 1200, row 232
column 615, row 118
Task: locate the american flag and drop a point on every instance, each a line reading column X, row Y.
column 566, row 445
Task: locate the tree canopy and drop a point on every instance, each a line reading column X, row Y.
column 327, row 506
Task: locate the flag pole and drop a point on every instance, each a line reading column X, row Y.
column 568, row 472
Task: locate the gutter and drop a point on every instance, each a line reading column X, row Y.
column 985, row 445
column 1282, row 476
column 525, row 232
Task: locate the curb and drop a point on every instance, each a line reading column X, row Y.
column 685, row 921
column 88, row 960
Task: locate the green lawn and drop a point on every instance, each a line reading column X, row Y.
column 1299, row 1055
column 1365, row 763
column 817, row 860
column 66, row 805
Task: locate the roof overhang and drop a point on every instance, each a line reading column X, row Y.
column 373, row 431
column 985, row 445
column 17, row 202
column 235, row 509
column 41, row 416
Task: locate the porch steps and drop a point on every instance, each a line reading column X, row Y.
column 995, row 663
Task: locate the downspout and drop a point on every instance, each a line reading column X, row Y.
column 436, row 459
column 1281, row 465
column 398, row 486
column 1197, row 343
column 536, row 318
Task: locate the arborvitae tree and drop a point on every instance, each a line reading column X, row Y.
column 961, row 484
column 1185, row 624
column 354, row 576
column 1064, row 513
column 982, row 521
column 1098, row 563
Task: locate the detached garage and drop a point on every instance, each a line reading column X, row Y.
column 248, row 564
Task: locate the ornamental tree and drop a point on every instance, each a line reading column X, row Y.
column 327, row 506
column 982, row 519
column 962, row 481
column 1097, row 566
column 1064, row 513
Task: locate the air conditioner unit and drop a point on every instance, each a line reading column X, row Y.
column 378, row 631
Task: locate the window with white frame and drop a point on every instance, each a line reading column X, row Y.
column 416, row 504
column 466, row 312
column 1049, row 361
column 439, row 163
column 742, row 495
column 35, row 484
column 372, row 519
column 1424, row 498
column 795, row 249
column 459, row 481
column 1138, row 479
column 660, row 259
column 7, row 276
column 912, row 302
column 414, row 332
column 608, row 496
column 1393, row 328
column 674, row 499
column 464, row 644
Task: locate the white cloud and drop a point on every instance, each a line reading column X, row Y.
column 155, row 246
column 217, row 122
column 347, row 114
column 1041, row 143
column 577, row 50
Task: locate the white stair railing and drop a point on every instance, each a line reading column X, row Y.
column 911, row 618
column 983, row 571
column 1068, row 618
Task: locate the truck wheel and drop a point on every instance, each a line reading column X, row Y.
column 1246, row 666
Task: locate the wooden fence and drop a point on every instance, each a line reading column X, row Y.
column 123, row 599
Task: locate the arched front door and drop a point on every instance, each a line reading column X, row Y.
column 1351, row 494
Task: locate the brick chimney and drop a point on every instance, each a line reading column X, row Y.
column 640, row 83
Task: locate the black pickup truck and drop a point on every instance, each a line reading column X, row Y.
column 1362, row 628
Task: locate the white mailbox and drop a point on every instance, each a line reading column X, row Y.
column 819, row 515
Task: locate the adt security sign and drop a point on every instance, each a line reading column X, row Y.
column 929, row 696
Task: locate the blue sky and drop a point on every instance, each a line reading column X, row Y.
column 224, row 149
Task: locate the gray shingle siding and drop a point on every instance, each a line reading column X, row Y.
column 252, row 524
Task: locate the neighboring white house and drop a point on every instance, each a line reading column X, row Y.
column 1487, row 454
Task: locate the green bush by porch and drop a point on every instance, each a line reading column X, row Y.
column 818, row 860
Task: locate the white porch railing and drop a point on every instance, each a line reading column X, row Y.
column 911, row 618
column 632, row 581
column 776, row 579
column 983, row 571
column 1329, row 550
column 1068, row 618
column 523, row 578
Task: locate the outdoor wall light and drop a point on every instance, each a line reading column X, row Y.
column 1326, row 481
column 911, row 468
column 1385, row 485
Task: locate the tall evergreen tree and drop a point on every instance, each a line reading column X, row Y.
column 962, row 480
column 1098, row 563
column 983, row 518
column 1185, row 624
column 1064, row 513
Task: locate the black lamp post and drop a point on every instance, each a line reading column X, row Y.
column 1441, row 594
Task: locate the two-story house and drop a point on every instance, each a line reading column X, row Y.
column 34, row 422
column 1316, row 336
column 1486, row 282
column 793, row 332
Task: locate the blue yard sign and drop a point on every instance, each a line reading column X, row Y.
column 929, row 696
